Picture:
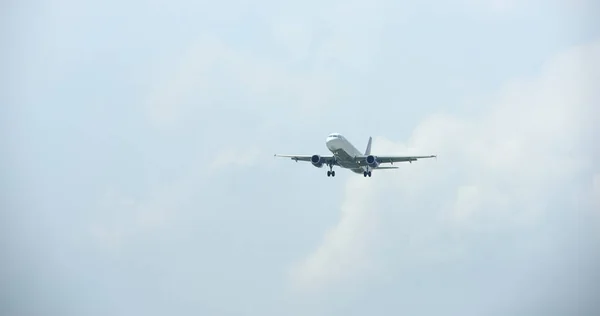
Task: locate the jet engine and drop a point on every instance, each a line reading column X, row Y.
column 372, row 161
column 317, row 161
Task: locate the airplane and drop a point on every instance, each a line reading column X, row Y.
column 345, row 155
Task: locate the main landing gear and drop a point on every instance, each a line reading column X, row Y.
column 330, row 172
column 367, row 173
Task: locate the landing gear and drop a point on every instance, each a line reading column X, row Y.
column 367, row 173
column 330, row 172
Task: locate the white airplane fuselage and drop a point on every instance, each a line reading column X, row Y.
column 344, row 153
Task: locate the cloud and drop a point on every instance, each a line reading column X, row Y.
column 123, row 218
column 302, row 68
column 120, row 217
column 231, row 157
column 342, row 252
column 493, row 218
column 194, row 84
column 189, row 75
column 504, row 171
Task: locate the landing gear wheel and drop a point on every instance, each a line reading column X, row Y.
column 365, row 174
column 330, row 172
column 369, row 174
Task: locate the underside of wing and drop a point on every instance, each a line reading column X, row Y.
column 317, row 160
column 376, row 160
column 296, row 157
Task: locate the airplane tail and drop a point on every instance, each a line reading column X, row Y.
column 368, row 150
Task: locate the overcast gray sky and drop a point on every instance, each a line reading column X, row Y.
column 138, row 177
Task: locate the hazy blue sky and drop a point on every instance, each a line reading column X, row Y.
column 138, row 177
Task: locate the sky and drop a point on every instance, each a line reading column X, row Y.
column 138, row 177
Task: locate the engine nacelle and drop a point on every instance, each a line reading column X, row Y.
column 372, row 161
column 317, row 161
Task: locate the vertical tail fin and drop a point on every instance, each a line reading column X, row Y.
column 368, row 150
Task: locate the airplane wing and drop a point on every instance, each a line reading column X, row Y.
column 391, row 159
column 325, row 159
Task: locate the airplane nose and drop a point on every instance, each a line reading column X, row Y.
column 330, row 142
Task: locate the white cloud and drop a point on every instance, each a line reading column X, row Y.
column 294, row 35
column 344, row 247
column 231, row 157
column 497, row 171
column 304, row 79
column 124, row 217
column 189, row 76
column 196, row 85
column 120, row 217
column 467, row 201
